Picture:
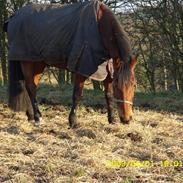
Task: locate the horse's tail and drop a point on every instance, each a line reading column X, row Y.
column 5, row 26
column 18, row 95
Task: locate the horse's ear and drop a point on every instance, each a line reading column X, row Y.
column 133, row 62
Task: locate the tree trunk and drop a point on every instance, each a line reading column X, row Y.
column 181, row 85
column 67, row 77
column 165, row 78
column 72, row 77
column 3, row 17
column 61, row 77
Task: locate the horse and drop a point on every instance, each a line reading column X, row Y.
column 24, row 75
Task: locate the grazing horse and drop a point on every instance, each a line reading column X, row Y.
column 24, row 74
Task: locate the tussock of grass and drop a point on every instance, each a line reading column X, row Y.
column 54, row 153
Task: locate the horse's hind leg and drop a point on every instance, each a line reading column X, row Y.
column 32, row 72
column 37, row 76
column 77, row 94
column 36, row 108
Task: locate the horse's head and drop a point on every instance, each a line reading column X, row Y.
column 117, row 43
column 124, row 83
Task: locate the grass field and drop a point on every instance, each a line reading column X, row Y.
column 53, row 153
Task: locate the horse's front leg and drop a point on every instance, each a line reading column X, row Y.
column 77, row 94
column 109, row 98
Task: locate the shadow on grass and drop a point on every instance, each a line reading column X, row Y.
column 160, row 102
column 62, row 95
column 52, row 95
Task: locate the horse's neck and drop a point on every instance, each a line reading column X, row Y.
column 105, row 19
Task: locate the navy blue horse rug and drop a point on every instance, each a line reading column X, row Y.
column 58, row 34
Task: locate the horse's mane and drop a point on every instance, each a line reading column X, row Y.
column 125, row 51
column 121, row 39
column 120, row 35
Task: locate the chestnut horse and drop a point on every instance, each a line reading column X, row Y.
column 24, row 76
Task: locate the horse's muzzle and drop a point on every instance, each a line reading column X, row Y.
column 125, row 121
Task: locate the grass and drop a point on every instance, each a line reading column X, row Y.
column 54, row 153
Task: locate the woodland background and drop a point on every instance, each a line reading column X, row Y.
column 155, row 29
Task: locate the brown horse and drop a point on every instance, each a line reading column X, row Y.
column 24, row 75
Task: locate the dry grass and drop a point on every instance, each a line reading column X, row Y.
column 54, row 153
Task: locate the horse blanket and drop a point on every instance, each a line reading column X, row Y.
column 58, row 34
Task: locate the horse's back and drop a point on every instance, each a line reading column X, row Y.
column 38, row 16
column 59, row 35
column 35, row 29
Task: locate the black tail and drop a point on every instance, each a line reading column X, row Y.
column 18, row 96
column 5, row 26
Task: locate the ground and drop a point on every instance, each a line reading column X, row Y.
column 149, row 149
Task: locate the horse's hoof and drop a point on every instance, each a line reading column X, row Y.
column 31, row 121
column 111, row 120
column 72, row 121
column 37, row 122
column 30, row 118
column 72, row 124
